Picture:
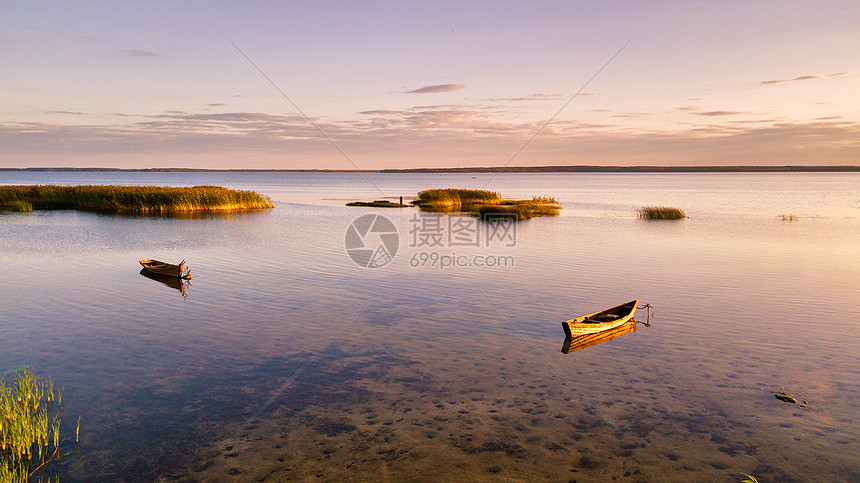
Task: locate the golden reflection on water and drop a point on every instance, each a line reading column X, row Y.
column 572, row 344
column 180, row 284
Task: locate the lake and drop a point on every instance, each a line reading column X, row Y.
column 284, row 358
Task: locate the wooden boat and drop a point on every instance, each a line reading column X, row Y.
column 580, row 342
column 167, row 269
column 600, row 321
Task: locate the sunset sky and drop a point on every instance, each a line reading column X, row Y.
column 430, row 84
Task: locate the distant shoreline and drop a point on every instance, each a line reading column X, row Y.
column 487, row 169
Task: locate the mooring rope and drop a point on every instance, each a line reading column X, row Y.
column 647, row 322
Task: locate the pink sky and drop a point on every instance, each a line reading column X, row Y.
column 428, row 85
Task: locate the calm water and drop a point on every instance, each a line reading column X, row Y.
column 424, row 373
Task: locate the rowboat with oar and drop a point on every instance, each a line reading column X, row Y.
column 600, row 321
column 167, row 269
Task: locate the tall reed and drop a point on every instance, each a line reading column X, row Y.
column 520, row 209
column 454, row 196
column 485, row 203
column 661, row 213
column 29, row 426
column 16, row 205
column 134, row 199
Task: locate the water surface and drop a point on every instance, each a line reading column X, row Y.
column 429, row 373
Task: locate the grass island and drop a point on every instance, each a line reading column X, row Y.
column 485, row 203
column 661, row 213
column 133, row 200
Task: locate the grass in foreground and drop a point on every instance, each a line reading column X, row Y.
column 485, row 203
column 155, row 200
column 377, row 204
column 660, row 213
column 29, row 427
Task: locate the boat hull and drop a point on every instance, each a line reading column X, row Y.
column 580, row 342
column 161, row 268
column 600, row 321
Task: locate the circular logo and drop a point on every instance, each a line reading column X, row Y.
column 371, row 241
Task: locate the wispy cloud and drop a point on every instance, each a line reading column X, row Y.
column 718, row 113
column 806, row 77
column 140, row 53
column 215, row 104
column 383, row 112
column 631, row 115
column 697, row 111
column 437, row 88
column 542, row 96
column 428, row 135
column 68, row 113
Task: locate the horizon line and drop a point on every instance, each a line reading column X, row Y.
column 472, row 169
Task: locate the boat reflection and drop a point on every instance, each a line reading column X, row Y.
column 173, row 282
column 572, row 344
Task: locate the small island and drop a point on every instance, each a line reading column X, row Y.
column 378, row 204
column 485, row 204
column 661, row 213
column 132, row 200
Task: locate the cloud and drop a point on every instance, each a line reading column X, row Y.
column 423, row 135
column 437, row 88
column 451, row 138
column 215, row 104
column 542, row 96
column 383, row 112
column 718, row 113
column 69, row 113
column 140, row 53
column 631, row 115
column 806, row 77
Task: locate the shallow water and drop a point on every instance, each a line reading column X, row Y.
column 423, row 373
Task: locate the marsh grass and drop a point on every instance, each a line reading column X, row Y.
column 521, row 209
column 155, row 200
column 455, row 197
column 17, row 205
column 660, row 213
column 485, row 204
column 29, row 426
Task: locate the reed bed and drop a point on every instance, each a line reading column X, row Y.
column 455, row 197
column 17, row 205
column 660, row 213
column 154, row 200
column 521, row 209
column 29, row 427
column 486, row 203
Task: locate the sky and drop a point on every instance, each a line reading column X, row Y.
column 375, row 84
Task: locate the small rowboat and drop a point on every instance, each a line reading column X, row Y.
column 580, row 342
column 600, row 321
column 167, row 269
